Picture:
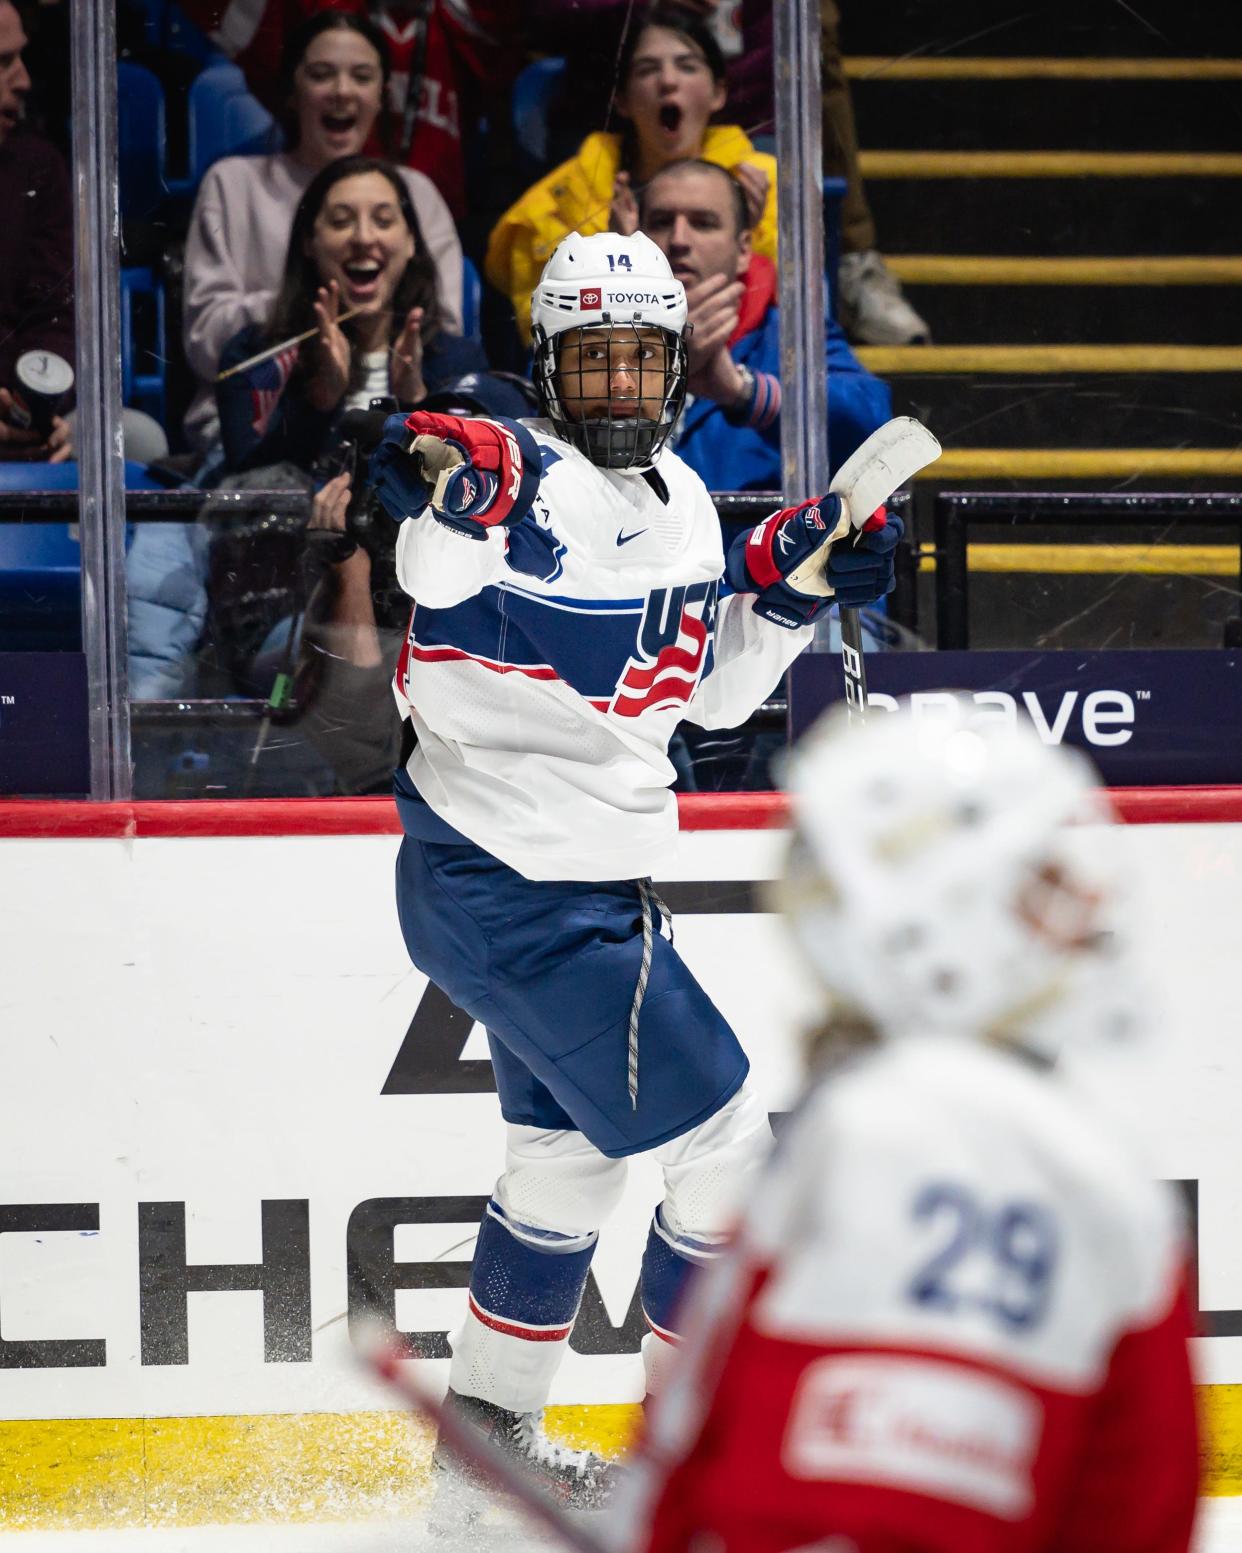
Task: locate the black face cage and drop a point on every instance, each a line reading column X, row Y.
column 612, row 441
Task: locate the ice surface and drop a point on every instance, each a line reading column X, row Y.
column 1220, row 1531
column 496, row 1535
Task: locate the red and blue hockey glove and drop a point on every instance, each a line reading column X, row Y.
column 474, row 474
column 801, row 560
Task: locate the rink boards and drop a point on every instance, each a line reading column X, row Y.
column 233, row 1118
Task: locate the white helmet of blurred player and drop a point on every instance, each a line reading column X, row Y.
column 607, row 318
column 949, row 873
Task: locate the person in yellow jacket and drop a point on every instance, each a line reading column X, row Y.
column 671, row 81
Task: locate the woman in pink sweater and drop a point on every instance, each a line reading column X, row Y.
column 335, row 75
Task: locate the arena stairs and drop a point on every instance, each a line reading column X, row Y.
column 1059, row 188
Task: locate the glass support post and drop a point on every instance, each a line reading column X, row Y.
column 800, row 226
column 97, row 432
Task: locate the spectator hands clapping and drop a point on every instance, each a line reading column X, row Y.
column 329, row 382
column 406, row 370
column 330, row 379
column 713, row 304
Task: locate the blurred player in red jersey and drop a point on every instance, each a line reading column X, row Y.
column 955, row 1318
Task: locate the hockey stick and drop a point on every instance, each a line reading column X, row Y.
column 890, row 456
column 852, row 664
column 384, row 1356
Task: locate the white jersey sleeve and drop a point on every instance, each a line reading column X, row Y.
column 751, row 656
column 439, row 568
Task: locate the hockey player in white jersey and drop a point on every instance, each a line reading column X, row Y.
column 955, row 1317
column 573, row 604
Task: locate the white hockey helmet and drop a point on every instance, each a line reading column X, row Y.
column 950, row 873
column 609, row 288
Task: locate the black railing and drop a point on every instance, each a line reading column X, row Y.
column 956, row 511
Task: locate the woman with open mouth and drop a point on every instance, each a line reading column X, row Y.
column 334, row 77
column 357, row 273
column 670, row 86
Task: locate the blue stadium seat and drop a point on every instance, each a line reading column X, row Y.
column 15, row 476
column 225, row 119
column 471, row 300
column 140, row 141
column 40, row 587
column 144, row 357
column 533, row 91
column 41, row 563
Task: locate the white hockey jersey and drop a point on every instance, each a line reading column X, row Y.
column 955, row 1322
column 547, row 666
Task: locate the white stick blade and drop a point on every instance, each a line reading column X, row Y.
column 890, row 456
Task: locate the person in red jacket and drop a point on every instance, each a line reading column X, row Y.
column 955, row 1315
column 449, row 58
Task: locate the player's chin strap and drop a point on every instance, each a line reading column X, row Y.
column 648, row 897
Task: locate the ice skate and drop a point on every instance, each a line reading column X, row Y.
column 579, row 1479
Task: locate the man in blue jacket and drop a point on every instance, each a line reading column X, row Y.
column 730, row 433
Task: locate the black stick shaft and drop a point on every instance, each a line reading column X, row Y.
column 852, row 665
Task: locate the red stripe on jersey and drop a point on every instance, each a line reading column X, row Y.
column 671, row 659
column 667, row 689
column 403, row 662
column 455, row 655
column 515, row 1329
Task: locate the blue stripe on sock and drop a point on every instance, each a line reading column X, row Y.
column 665, row 1274
column 519, row 1282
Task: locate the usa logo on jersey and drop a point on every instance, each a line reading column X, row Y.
column 673, row 642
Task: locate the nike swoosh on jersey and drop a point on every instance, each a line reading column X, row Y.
column 624, row 539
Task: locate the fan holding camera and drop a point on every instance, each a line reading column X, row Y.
column 314, row 607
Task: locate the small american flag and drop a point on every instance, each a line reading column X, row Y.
column 267, row 383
